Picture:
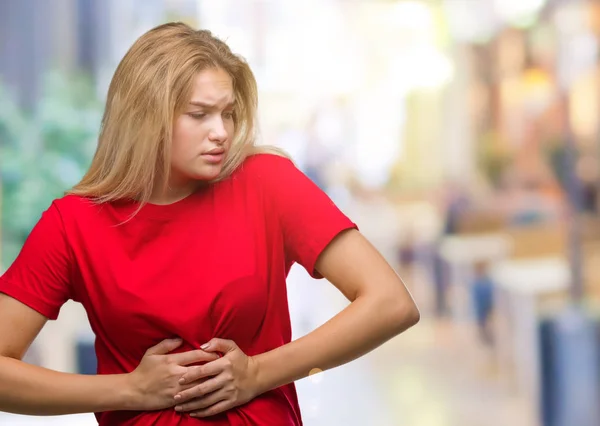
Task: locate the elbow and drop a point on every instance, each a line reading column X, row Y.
column 414, row 316
column 404, row 313
column 408, row 317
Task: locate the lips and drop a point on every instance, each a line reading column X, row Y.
column 214, row 156
column 216, row 151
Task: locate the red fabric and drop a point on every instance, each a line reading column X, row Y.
column 211, row 265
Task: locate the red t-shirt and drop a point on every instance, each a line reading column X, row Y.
column 211, row 265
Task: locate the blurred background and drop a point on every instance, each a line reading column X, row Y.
column 462, row 136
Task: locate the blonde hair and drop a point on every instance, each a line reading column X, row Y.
column 149, row 89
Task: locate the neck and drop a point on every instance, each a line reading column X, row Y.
column 173, row 193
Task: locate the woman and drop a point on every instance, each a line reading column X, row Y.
column 179, row 239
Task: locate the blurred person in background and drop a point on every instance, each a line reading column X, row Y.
column 454, row 203
column 482, row 295
column 178, row 242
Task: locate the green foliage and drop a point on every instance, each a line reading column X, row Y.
column 45, row 153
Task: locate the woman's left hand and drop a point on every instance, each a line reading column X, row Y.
column 225, row 383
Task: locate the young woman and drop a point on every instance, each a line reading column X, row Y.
column 177, row 242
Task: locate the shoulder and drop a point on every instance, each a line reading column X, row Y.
column 269, row 176
column 267, row 167
column 266, row 161
column 72, row 204
column 57, row 217
column 72, row 209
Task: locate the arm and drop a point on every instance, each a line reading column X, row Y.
column 32, row 390
column 381, row 308
column 28, row 389
column 32, row 290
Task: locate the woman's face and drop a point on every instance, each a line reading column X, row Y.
column 202, row 133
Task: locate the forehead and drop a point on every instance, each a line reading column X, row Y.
column 212, row 85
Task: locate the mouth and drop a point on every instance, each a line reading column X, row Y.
column 214, row 155
column 215, row 151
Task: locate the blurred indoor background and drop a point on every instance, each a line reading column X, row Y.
column 462, row 136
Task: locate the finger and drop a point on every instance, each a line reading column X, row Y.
column 193, row 356
column 164, row 347
column 202, row 402
column 218, row 408
column 190, row 385
column 219, row 345
column 210, row 369
column 199, row 391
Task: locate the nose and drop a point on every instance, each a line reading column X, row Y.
column 218, row 132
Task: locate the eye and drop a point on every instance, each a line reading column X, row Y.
column 197, row 115
column 228, row 115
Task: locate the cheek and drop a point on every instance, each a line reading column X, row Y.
column 178, row 148
column 181, row 154
column 184, row 142
column 230, row 127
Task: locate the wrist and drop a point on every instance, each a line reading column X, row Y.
column 130, row 394
column 258, row 374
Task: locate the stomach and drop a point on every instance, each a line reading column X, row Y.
column 278, row 407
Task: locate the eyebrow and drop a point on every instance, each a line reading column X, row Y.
column 211, row 105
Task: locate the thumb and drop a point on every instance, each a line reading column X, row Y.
column 219, row 345
column 164, row 347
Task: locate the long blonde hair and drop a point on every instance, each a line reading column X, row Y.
column 149, row 89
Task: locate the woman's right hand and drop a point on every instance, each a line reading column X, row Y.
column 155, row 381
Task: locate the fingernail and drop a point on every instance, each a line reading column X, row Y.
column 205, row 346
column 177, row 396
column 182, row 381
column 178, row 408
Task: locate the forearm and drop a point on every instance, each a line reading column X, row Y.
column 364, row 325
column 32, row 390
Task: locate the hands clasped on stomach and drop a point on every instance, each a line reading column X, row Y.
column 164, row 380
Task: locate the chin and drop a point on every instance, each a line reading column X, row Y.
column 208, row 173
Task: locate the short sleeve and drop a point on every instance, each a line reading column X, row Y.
column 309, row 219
column 40, row 276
